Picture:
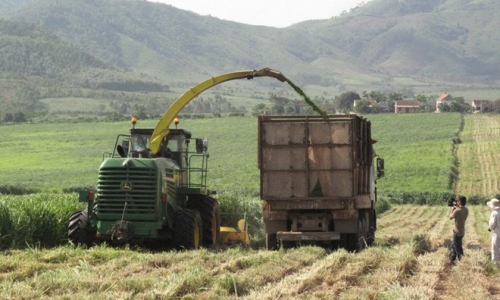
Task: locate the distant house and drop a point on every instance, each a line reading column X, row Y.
column 482, row 105
column 444, row 99
column 406, row 106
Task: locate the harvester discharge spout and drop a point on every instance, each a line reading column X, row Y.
column 162, row 128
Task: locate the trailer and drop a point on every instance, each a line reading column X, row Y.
column 318, row 180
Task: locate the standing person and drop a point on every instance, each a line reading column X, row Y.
column 460, row 213
column 494, row 226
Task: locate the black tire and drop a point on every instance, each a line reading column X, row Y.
column 357, row 241
column 287, row 244
column 208, row 208
column 79, row 229
column 271, row 241
column 370, row 240
column 352, row 242
column 188, row 230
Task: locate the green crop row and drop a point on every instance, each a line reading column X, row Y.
column 38, row 220
column 419, row 151
column 41, row 220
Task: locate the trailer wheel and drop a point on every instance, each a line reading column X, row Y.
column 287, row 244
column 208, row 208
column 271, row 241
column 187, row 229
column 79, row 229
column 357, row 241
column 372, row 223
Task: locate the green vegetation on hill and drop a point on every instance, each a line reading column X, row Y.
column 379, row 40
column 36, row 64
column 29, row 50
column 137, row 53
column 7, row 7
column 431, row 40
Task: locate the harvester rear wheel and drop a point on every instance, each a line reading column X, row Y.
column 79, row 229
column 188, row 229
column 208, row 208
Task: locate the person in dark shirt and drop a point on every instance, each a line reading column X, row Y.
column 459, row 213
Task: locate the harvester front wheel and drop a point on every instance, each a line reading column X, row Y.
column 188, row 229
column 208, row 208
column 79, row 229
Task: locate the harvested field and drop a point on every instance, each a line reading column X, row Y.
column 408, row 261
column 479, row 156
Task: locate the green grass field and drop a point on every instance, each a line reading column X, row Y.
column 417, row 149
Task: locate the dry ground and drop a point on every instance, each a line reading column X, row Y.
column 409, row 261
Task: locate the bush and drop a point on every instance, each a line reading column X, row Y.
column 16, row 190
column 428, row 198
column 383, row 205
column 76, row 189
column 418, row 198
column 476, row 200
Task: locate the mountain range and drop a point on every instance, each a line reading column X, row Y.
column 412, row 43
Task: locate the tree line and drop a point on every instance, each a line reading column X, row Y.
column 24, row 104
column 383, row 103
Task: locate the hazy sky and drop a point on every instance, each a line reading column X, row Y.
column 275, row 13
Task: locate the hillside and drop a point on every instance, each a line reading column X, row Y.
column 131, row 53
column 426, row 40
column 153, row 38
column 447, row 40
column 28, row 50
column 31, row 51
column 9, row 6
